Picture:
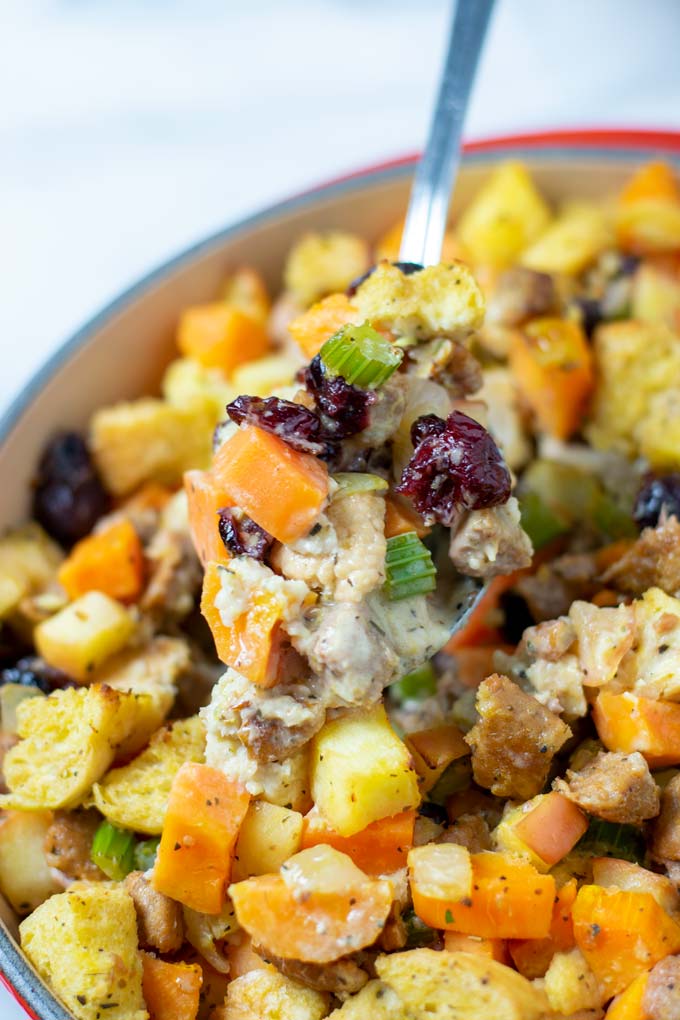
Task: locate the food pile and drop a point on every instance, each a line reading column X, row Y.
column 248, row 774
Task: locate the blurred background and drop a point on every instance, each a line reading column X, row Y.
column 130, row 128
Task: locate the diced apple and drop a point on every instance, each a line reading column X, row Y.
column 269, row 835
column 361, row 771
column 82, row 636
column 25, row 878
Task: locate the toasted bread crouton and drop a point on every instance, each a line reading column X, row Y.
column 136, row 795
column 68, row 741
column 84, row 944
column 441, row 300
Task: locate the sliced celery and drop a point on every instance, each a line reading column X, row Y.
column 408, row 567
column 361, row 355
column 144, row 854
column 417, row 685
column 607, row 839
column 113, row 851
column 351, row 482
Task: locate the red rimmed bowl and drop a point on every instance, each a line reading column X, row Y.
column 121, row 353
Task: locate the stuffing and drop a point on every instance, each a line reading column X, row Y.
column 84, row 944
column 267, row 994
column 515, row 740
column 344, row 557
column 159, row 919
column 571, row 985
column 490, row 542
column 281, row 782
column 322, row 263
column 520, row 294
column 68, row 844
column 655, row 664
column 505, row 215
column 604, row 635
column 635, row 362
column 661, row 997
column 614, row 786
column 135, row 796
column 441, row 300
column 665, row 841
column 149, row 440
column 68, row 741
column 376, row 1001
column 652, row 561
column 505, row 421
column 438, row 986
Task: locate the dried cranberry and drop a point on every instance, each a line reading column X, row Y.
column 344, row 409
column 35, row 672
column 657, row 495
column 69, row 497
column 406, row 267
column 590, row 310
column 454, row 469
column 242, row 536
column 425, row 426
column 296, row 424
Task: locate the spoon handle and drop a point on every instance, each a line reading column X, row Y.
column 435, row 174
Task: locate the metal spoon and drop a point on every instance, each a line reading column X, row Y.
column 425, row 227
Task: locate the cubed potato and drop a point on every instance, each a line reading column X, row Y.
column 269, row 835
column 68, row 741
column 375, row 1001
column 25, row 878
column 506, row 215
column 442, row 300
column 268, row 995
column 84, row 634
column 571, row 985
column 656, row 296
column 28, row 562
column 573, row 241
column 437, row 986
column 187, row 381
column 264, row 376
column 634, row 362
column 136, row 795
column 151, row 441
column 361, row 771
column 323, row 263
column 84, row 944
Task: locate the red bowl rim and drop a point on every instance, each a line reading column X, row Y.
column 634, row 141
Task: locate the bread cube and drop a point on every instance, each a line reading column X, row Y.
column 656, row 296
column 136, row 795
column 571, row 985
column 572, row 241
column 25, row 878
column 634, row 362
column 267, row 994
column 151, row 441
column 80, row 637
column 28, row 562
column 84, row 944
column 442, row 300
column 268, row 836
column 361, row 771
column 67, row 742
column 443, row 985
column 505, row 216
column 658, row 434
column 187, row 381
column 375, row 1001
column 323, row 263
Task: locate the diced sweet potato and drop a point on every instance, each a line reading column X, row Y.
column 220, row 335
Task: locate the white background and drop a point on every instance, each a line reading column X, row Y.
column 130, row 128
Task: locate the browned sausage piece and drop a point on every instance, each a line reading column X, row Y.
column 614, row 786
column 515, row 740
column 661, row 999
column 653, row 561
column 342, row 977
column 68, row 843
column 160, row 924
column 665, row 837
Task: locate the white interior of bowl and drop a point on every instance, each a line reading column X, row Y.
column 123, row 352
